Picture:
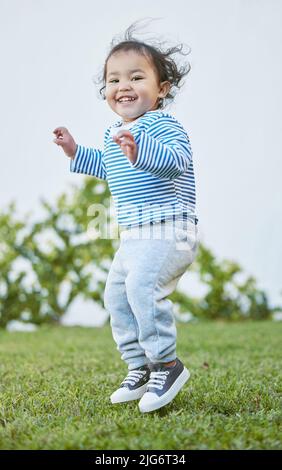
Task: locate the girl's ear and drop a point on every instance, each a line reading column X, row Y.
column 164, row 89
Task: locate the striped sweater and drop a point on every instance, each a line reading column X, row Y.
column 159, row 185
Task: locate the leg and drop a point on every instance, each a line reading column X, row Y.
column 150, row 280
column 124, row 325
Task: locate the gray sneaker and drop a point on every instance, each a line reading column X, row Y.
column 164, row 384
column 133, row 386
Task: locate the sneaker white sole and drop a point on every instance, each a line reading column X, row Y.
column 123, row 394
column 150, row 401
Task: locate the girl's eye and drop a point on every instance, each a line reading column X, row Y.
column 115, row 80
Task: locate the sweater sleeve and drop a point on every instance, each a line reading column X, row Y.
column 88, row 161
column 164, row 149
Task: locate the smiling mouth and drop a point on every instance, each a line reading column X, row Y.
column 126, row 100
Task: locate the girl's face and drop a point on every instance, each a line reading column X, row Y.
column 132, row 85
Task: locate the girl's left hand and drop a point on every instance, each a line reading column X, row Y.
column 127, row 144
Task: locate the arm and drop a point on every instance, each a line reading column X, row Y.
column 88, row 161
column 163, row 149
column 83, row 160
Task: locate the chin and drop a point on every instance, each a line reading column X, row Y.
column 130, row 116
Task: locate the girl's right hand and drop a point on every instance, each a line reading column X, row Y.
column 66, row 141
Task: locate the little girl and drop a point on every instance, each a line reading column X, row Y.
column 147, row 161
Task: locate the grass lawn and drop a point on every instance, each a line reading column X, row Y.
column 56, row 382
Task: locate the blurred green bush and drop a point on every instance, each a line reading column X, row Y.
column 40, row 260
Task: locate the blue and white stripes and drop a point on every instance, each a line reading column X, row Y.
column 159, row 185
column 89, row 161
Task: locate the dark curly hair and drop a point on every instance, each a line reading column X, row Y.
column 161, row 58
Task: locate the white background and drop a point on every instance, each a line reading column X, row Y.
column 230, row 105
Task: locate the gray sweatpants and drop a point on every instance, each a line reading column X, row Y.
column 145, row 270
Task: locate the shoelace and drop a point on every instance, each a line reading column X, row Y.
column 134, row 376
column 158, row 379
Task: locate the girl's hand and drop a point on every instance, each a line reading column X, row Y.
column 127, row 144
column 66, row 141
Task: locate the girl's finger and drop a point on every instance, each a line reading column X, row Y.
column 125, row 134
column 58, row 141
column 127, row 143
column 59, row 129
column 124, row 138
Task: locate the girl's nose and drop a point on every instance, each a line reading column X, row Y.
column 124, row 86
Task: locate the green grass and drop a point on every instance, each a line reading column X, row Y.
column 56, row 383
